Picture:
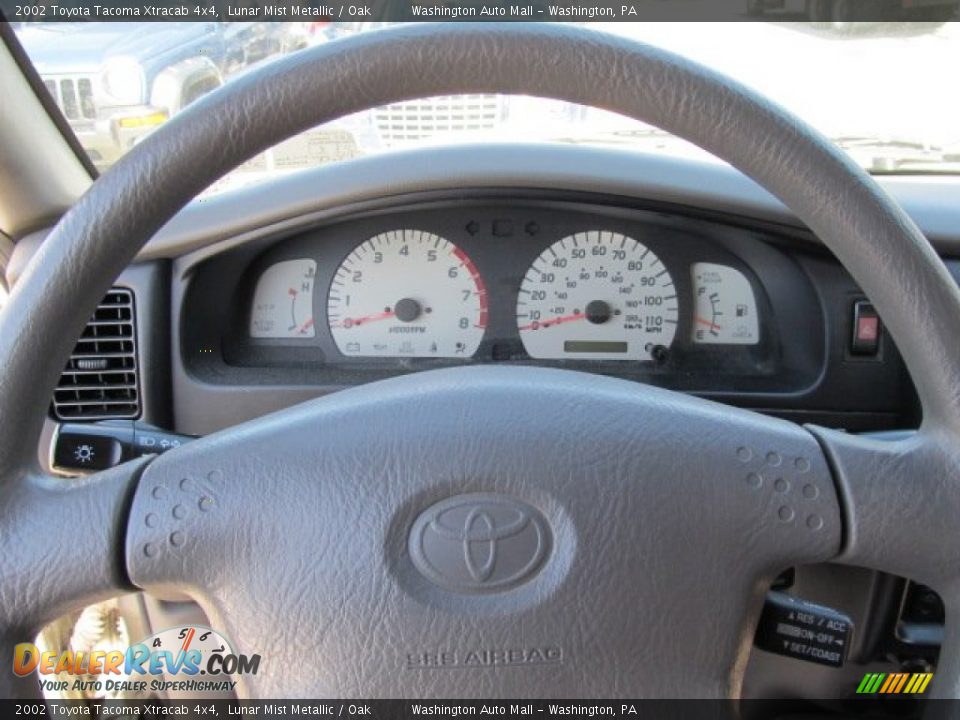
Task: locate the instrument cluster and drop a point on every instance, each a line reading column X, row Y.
column 661, row 297
column 742, row 311
column 594, row 294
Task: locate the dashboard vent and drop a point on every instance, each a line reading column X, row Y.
column 100, row 380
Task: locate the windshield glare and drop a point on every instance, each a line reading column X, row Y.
column 885, row 92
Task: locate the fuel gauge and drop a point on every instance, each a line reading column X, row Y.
column 724, row 306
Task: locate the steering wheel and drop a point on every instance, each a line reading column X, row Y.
column 576, row 535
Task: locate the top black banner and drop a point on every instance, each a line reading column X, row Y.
column 580, row 11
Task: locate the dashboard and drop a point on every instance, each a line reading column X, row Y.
column 651, row 293
column 221, row 339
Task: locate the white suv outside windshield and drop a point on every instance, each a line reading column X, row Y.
column 885, row 92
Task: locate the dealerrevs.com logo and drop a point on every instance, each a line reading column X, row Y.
column 190, row 659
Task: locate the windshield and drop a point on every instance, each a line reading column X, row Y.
column 885, row 92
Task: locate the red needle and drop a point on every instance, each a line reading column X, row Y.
column 550, row 323
column 709, row 324
column 187, row 640
column 306, row 326
column 350, row 322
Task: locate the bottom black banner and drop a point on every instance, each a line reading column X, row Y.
column 894, row 707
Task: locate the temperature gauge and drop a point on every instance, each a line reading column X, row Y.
column 283, row 301
column 724, row 306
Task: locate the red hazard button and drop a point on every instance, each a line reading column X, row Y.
column 866, row 329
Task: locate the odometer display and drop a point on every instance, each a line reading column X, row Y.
column 407, row 293
column 595, row 346
column 596, row 295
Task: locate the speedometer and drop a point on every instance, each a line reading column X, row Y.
column 407, row 293
column 597, row 295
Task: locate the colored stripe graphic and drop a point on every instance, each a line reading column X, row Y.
column 891, row 680
column 901, row 683
column 894, row 683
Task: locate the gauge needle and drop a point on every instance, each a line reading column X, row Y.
column 555, row 321
column 709, row 324
column 350, row 322
column 187, row 640
column 306, row 326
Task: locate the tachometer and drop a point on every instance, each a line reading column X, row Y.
column 407, row 293
column 597, row 295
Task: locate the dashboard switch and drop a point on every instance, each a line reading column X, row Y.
column 148, row 440
column 866, row 329
column 85, row 453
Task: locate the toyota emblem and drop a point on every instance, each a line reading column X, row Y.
column 479, row 543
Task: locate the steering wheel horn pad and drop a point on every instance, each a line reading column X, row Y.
column 667, row 515
column 651, row 499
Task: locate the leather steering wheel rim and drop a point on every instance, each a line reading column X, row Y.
column 883, row 505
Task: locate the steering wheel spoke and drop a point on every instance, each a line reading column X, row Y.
column 59, row 545
column 900, row 501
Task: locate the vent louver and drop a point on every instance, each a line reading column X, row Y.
column 100, row 380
